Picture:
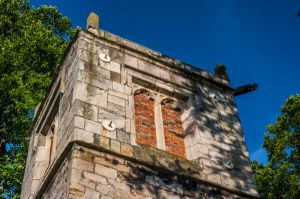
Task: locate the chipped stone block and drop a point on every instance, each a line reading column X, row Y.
column 105, row 190
column 129, row 80
column 101, row 83
column 74, row 196
column 130, row 61
column 117, row 109
column 104, row 142
column 118, row 94
column 148, row 68
column 82, row 135
column 115, row 146
column 129, row 112
column 122, row 136
column 216, row 156
column 242, row 163
column 244, row 176
column 90, row 112
column 93, row 126
column 178, row 80
column 79, row 107
column 214, row 177
column 229, row 181
column 100, row 72
column 195, row 138
column 127, row 149
column 41, row 154
column 82, row 165
column 115, row 54
column 132, row 125
column 206, row 133
column 133, row 139
column 164, row 88
column 116, row 100
column 90, row 94
column 228, row 139
column 128, row 90
column 90, row 193
column 115, row 77
column 164, row 74
column 249, row 187
column 95, row 178
column 88, row 183
column 230, row 148
column 206, row 163
column 79, row 122
column 105, row 65
column 127, row 126
column 105, row 171
column 118, row 87
column 113, row 162
column 88, row 56
column 76, row 189
column 75, row 176
column 111, row 134
column 200, row 150
column 115, row 67
column 189, row 153
column 39, row 169
column 83, row 154
column 83, row 44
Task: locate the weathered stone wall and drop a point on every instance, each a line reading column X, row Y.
column 201, row 130
column 47, row 143
column 37, row 164
column 59, row 186
column 100, row 175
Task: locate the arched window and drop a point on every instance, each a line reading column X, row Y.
column 144, row 118
column 172, row 126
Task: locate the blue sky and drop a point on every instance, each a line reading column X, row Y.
column 257, row 40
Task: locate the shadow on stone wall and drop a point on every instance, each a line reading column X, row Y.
column 153, row 183
column 215, row 140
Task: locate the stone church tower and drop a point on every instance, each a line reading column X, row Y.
column 124, row 121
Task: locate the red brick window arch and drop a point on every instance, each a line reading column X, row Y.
column 144, row 118
column 173, row 129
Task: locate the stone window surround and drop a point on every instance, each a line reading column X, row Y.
column 158, row 100
column 53, row 137
column 49, row 109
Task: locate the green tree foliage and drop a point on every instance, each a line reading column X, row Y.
column 280, row 178
column 32, row 41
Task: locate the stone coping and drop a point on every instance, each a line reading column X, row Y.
column 151, row 157
column 188, row 69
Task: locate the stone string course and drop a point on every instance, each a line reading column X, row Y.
column 100, row 173
column 121, row 163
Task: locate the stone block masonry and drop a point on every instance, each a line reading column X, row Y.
column 172, row 128
column 90, row 172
